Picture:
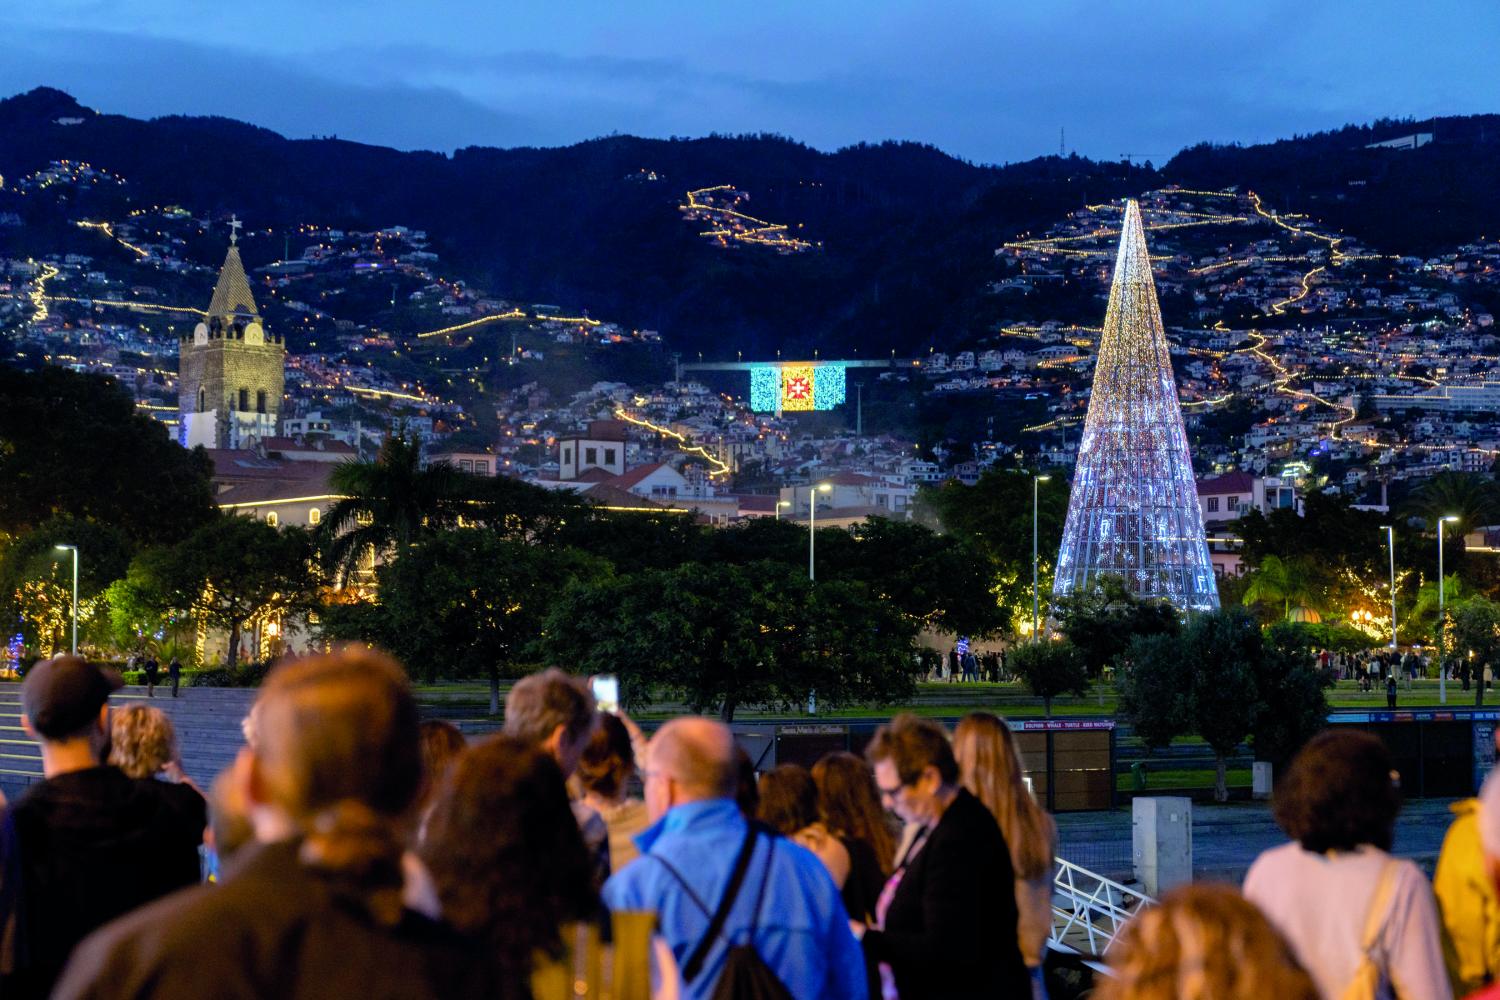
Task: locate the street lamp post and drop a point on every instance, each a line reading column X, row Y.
column 812, row 522
column 1442, row 667
column 73, row 549
column 780, row 504
column 1036, row 604
column 1390, row 537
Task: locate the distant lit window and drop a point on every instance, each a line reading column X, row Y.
column 466, row 465
column 314, row 516
column 272, row 519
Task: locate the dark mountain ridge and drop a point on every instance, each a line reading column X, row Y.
column 907, row 232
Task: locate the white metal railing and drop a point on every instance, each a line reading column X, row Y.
column 1089, row 910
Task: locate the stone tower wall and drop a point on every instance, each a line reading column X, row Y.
column 223, row 366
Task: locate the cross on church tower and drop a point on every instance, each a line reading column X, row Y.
column 234, row 230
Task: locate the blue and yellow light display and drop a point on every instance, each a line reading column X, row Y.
column 796, row 386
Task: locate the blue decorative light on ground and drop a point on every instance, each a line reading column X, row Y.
column 1133, row 512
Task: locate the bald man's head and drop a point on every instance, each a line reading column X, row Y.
column 697, row 754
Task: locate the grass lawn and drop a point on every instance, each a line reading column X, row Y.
column 943, row 699
column 1236, row 777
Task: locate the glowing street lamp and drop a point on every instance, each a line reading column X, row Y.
column 1035, row 600
column 1390, row 537
column 812, row 521
column 73, row 549
column 1442, row 672
column 780, row 504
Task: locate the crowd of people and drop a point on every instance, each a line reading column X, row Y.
column 355, row 850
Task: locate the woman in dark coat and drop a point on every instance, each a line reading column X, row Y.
column 947, row 919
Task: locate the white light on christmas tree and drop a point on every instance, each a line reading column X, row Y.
column 1134, row 508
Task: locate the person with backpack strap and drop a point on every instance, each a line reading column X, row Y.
column 1363, row 923
column 748, row 915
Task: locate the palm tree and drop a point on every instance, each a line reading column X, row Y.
column 387, row 504
column 1426, row 606
column 1284, row 580
column 1469, row 496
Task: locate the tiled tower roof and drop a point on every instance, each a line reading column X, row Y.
column 232, row 293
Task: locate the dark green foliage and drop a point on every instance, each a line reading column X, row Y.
column 722, row 636
column 464, row 603
column 1103, row 620
column 1220, row 680
column 1292, row 690
column 1475, row 627
column 228, row 572
column 74, row 446
column 1050, row 669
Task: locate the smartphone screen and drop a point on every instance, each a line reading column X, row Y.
column 606, row 689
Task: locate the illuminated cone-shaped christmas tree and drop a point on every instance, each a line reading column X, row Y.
column 1134, row 508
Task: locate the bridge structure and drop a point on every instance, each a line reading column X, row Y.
column 780, row 386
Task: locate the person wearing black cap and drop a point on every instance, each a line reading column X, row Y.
column 86, row 844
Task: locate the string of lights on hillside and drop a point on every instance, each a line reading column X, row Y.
column 731, row 224
column 108, row 230
column 717, row 467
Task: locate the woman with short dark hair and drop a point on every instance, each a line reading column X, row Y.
column 1351, row 911
column 946, row 921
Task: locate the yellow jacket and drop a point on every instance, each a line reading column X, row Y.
column 1467, row 903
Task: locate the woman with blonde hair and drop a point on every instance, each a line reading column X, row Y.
column 1203, row 942
column 989, row 765
column 314, row 905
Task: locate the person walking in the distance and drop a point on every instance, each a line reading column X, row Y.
column 783, row 906
column 174, row 674
column 153, row 673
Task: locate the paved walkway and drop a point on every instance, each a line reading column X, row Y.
column 1227, row 838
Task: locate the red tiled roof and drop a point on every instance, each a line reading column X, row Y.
column 612, row 496
column 758, row 503
column 1230, row 482
column 631, row 477
column 851, row 479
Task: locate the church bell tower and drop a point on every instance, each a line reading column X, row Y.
column 231, row 372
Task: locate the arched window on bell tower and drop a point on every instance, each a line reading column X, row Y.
column 202, row 398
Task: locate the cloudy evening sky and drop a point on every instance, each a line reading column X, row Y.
column 990, row 81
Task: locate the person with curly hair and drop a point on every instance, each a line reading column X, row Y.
column 1203, row 942
column 506, row 854
column 850, row 806
column 1352, row 912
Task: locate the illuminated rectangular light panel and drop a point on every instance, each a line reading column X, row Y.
column 794, row 387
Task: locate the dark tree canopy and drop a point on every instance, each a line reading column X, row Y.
column 74, row 445
column 229, row 572
column 722, row 636
column 1103, row 620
